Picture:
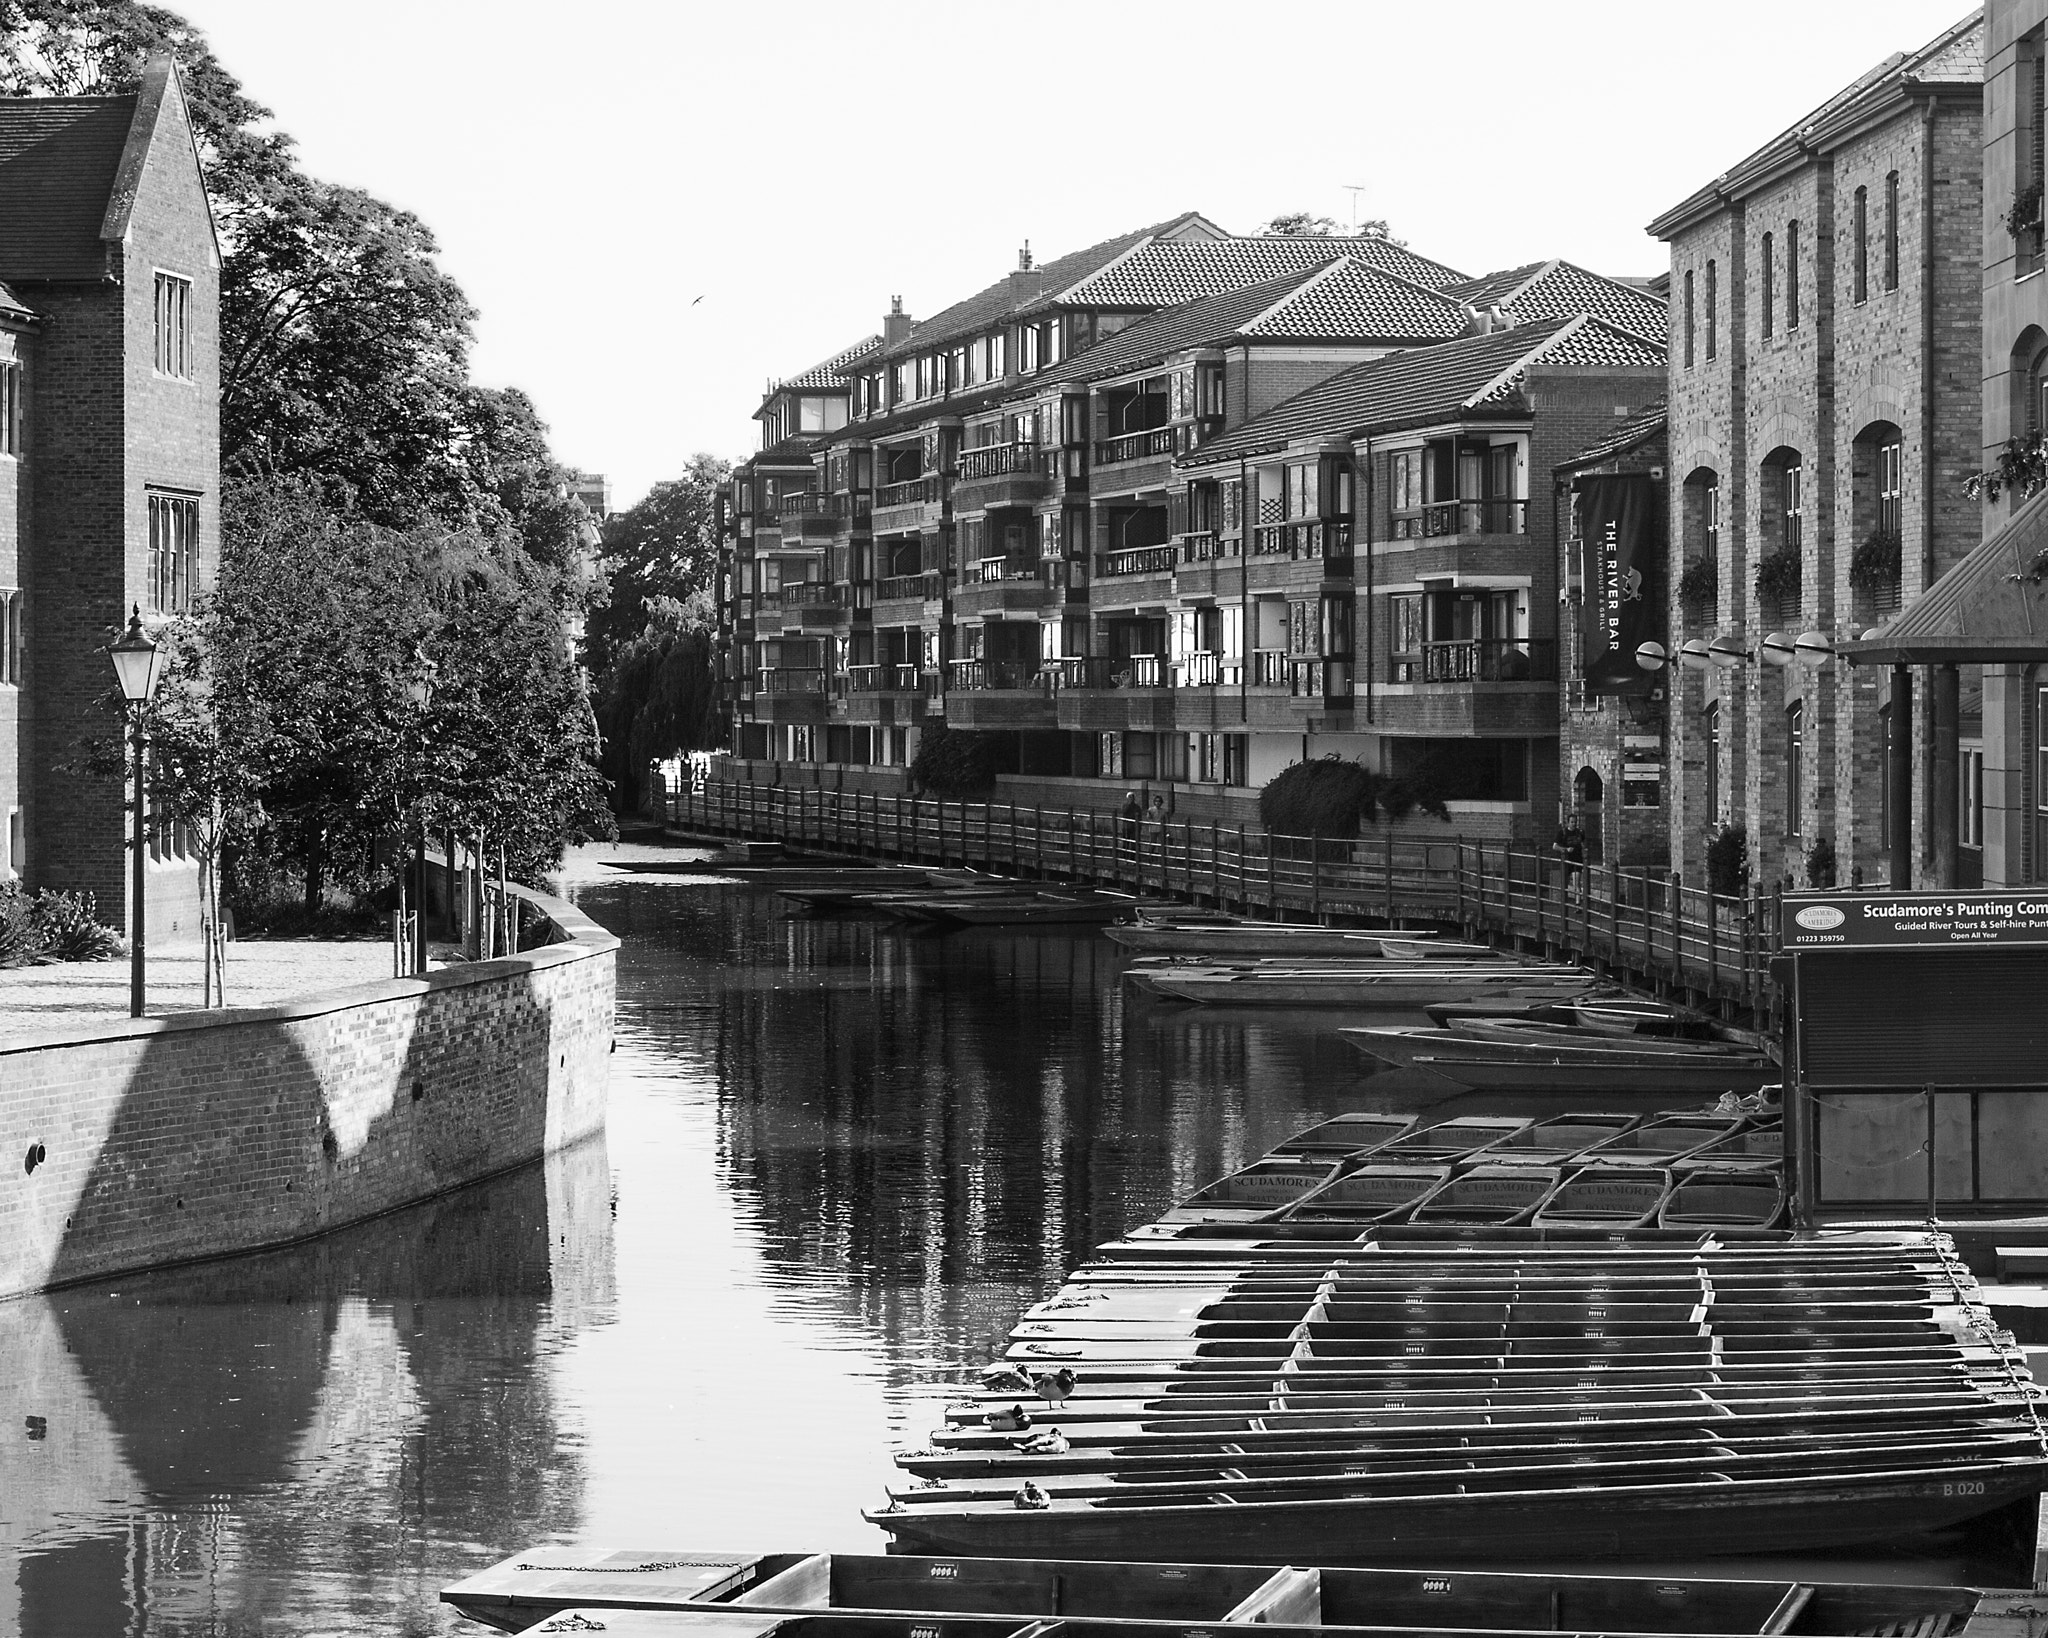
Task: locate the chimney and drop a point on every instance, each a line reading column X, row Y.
column 1499, row 318
column 1476, row 322
column 897, row 324
column 1024, row 258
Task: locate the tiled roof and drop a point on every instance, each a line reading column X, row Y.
column 1954, row 57
column 956, row 404
column 794, row 451
column 1561, row 289
column 1640, row 428
column 58, row 160
column 1339, row 300
column 1427, row 384
column 1991, row 608
column 834, row 371
column 1168, row 272
column 1018, row 292
column 13, row 305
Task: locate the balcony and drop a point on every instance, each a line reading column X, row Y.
column 1206, row 670
column 796, row 680
column 807, row 516
column 1304, row 541
column 1136, row 446
column 996, row 585
column 1135, row 560
column 1441, row 519
column 791, row 694
column 914, row 493
column 998, row 694
column 1480, row 660
column 1104, row 671
column 977, row 676
column 885, row 679
column 1100, row 693
column 1269, row 668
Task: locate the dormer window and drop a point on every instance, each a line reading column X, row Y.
column 1027, row 349
column 998, row 355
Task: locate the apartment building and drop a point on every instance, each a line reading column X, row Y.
column 1824, row 406
column 109, row 457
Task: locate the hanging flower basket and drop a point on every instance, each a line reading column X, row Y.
column 2022, row 467
column 1699, row 585
column 1777, row 577
column 2025, row 214
column 1874, row 566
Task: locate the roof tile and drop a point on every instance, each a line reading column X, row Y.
column 58, row 160
column 1167, row 272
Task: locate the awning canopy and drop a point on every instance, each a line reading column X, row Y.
column 1990, row 609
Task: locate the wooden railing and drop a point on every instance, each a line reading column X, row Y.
column 1638, row 926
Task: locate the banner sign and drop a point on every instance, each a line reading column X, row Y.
column 1892, row 921
column 1621, row 573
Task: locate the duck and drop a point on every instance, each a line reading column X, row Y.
column 1014, row 1420
column 1031, row 1498
column 1004, row 1379
column 1051, row 1442
column 1055, row 1387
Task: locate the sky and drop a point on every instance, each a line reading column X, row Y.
column 658, row 205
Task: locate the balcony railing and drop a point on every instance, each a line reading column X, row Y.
column 899, row 586
column 882, row 679
column 1134, row 446
column 1136, row 560
column 1207, row 670
column 809, row 680
column 1106, row 671
column 810, row 504
column 1481, row 659
column 1000, row 460
column 1463, row 517
column 979, row 675
column 917, row 491
column 1318, row 538
column 1269, row 668
column 1202, row 546
column 989, row 571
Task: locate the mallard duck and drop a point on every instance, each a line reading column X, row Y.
column 1031, row 1498
column 1004, row 1379
column 1051, row 1442
column 1014, row 1420
column 1054, row 1387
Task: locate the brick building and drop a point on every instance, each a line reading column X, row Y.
column 1824, row 405
column 109, row 455
column 1003, row 517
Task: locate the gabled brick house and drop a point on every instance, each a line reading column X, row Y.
column 109, row 455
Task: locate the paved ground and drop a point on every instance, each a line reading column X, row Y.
column 261, row 972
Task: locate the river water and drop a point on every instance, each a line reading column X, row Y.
column 840, row 1158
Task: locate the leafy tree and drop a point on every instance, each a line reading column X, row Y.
column 663, row 550
column 659, row 696
column 1300, row 224
column 956, row 761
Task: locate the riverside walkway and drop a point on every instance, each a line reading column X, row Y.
column 1638, row 926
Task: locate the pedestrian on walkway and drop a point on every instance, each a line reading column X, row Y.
column 1127, row 822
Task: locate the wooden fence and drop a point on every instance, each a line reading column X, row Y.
column 1640, row 926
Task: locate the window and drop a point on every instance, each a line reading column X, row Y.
column 1791, row 275
column 1769, row 281
column 1050, row 351
column 1712, row 333
column 998, row 356
column 1027, row 349
column 173, row 551
column 174, row 326
column 17, row 843
column 10, row 407
column 1689, row 319
column 12, row 624
column 1890, row 496
column 1710, row 721
column 1303, row 500
column 1970, row 797
column 1891, row 230
column 1860, row 248
column 1795, row 762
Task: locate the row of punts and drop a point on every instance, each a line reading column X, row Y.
column 1395, row 1341
column 866, row 1595
column 964, row 898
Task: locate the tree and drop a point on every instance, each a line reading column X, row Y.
column 664, row 548
column 659, row 695
column 1299, row 224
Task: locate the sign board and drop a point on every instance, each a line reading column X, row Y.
column 1893, row 921
column 1622, row 571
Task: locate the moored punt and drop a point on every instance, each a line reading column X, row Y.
column 1666, row 1139
column 1248, row 938
column 1407, row 988
column 1365, row 1194
column 1597, row 1196
column 1543, row 1064
column 1759, row 1145
column 1573, row 1038
column 1489, row 1193
column 1406, row 947
column 1345, row 1134
column 1102, row 1599
column 1723, row 1196
column 1081, row 906
column 1559, row 1139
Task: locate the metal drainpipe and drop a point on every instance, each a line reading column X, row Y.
column 1927, row 460
column 1365, row 510
column 1244, row 599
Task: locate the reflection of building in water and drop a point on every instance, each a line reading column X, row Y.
column 228, row 1446
column 950, row 1123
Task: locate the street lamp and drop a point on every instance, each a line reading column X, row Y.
column 137, row 664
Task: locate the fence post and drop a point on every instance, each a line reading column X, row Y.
column 1614, row 908
column 1390, row 875
column 1315, row 877
column 1272, row 880
column 1243, row 903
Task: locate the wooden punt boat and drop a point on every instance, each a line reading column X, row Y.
column 1612, row 1197
column 1573, row 1038
column 1629, row 1015
column 1542, row 1065
column 1404, row 988
column 1725, row 1196
column 1678, row 1512
column 1760, row 1145
column 1460, row 1138
column 1559, row 1140
column 1667, row 1139
column 1365, row 1194
column 1344, row 1134
column 1082, row 907
column 1106, row 1599
column 1407, row 947
column 1489, row 1193
column 1251, row 938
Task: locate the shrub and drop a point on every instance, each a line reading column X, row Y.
column 1728, row 862
column 21, row 942
column 955, row 762
column 1820, row 862
column 1777, row 576
column 1874, row 566
column 1332, row 797
column 1700, row 583
column 71, row 929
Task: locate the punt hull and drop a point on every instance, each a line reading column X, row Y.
column 1625, row 1522
column 1407, row 994
column 1224, row 940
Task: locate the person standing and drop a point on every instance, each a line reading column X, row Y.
column 1127, row 822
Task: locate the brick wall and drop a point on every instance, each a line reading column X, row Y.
column 205, row 1134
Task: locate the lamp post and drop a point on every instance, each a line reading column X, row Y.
column 420, row 691
column 137, row 662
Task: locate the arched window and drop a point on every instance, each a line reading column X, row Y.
column 1690, row 318
column 1877, row 516
column 1710, row 721
column 1713, row 312
column 1891, row 230
column 1784, row 500
column 2028, row 373
column 1860, row 267
column 1795, row 762
column 14, row 617
column 1769, row 282
column 1791, row 275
